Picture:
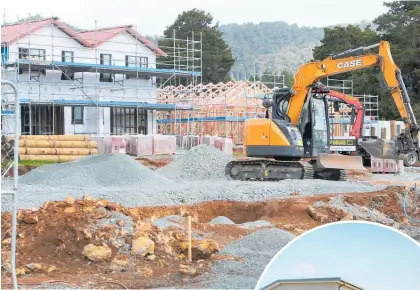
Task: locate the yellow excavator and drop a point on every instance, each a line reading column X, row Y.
column 293, row 143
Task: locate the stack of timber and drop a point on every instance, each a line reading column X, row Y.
column 58, row 148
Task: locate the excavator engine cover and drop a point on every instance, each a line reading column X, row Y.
column 380, row 148
column 338, row 161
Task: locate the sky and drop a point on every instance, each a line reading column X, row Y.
column 369, row 256
column 152, row 17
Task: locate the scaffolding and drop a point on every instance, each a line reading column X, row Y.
column 104, row 79
column 218, row 109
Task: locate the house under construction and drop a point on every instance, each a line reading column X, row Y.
column 100, row 81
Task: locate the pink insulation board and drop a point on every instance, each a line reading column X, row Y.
column 390, row 166
column 141, row 145
column 224, row 144
column 118, row 144
column 377, row 165
column 164, row 144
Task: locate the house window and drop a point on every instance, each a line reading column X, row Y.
column 105, row 60
column 67, row 56
column 33, row 53
column 77, row 115
column 128, row 121
column 136, row 61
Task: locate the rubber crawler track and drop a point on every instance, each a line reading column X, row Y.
column 308, row 169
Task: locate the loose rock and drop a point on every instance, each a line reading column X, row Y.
column 201, row 249
column 142, row 246
column 96, row 253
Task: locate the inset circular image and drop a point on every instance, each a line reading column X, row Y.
column 350, row 255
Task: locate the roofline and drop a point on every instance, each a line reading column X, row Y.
column 29, row 21
column 106, row 28
column 313, row 280
column 52, row 20
column 79, row 38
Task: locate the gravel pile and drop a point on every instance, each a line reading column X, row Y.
column 95, row 170
column 256, row 250
column 120, row 178
column 199, row 163
column 221, row 220
column 175, row 193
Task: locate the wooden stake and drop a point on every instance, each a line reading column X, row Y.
column 189, row 239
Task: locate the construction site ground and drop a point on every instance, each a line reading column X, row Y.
column 233, row 240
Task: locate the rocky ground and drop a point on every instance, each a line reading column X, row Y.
column 90, row 241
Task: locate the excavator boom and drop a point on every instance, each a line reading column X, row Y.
column 351, row 60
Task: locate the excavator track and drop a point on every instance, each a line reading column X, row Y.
column 269, row 170
column 272, row 170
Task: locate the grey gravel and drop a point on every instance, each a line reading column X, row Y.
column 169, row 221
column 199, row 163
column 221, row 220
column 113, row 217
column 412, row 169
column 95, row 170
column 256, row 224
column 256, row 250
column 119, row 178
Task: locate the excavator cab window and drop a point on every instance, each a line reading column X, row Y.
column 320, row 128
column 336, row 107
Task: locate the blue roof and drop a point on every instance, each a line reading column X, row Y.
column 7, row 112
column 90, row 103
column 205, row 119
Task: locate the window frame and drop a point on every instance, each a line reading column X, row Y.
column 75, row 121
column 139, row 61
column 103, row 76
column 63, row 52
column 70, row 75
column 29, row 53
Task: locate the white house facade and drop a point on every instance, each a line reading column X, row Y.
column 98, row 82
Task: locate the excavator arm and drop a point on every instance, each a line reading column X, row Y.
column 351, row 60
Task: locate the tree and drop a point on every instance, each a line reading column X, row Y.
column 366, row 81
column 289, row 78
column 401, row 27
column 217, row 59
